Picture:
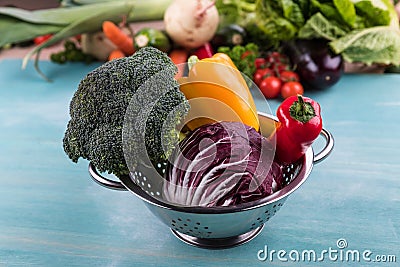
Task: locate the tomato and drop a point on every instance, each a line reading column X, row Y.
column 281, row 67
column 41, row 39
column 260, row 74
column 271, row 86
column 291, row 89
column 274, row 57
column 289, row 76
column 277, row 58
column 260, row 62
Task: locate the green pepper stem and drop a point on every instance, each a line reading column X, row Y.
column 301, row 111
column 192, row 60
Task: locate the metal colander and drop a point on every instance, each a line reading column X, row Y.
column 217, row 227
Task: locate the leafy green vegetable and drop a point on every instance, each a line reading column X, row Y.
column 346, row 10
column 364, row 31
column 53, row 20
column 293, row 13
column 239, row 12
column 371, row 45
column 81, row 25
column 71, row 53
column 273, row 20
column 372, row 15
column 73, row 17
column 319, row 26
column 243, row 57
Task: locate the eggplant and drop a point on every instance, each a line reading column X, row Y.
column 318, row 67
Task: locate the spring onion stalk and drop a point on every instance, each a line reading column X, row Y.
column 73, row 17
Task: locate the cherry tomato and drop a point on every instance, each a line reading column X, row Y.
column 276, row 58
column 289, row 76
column 281, row 67
column 260, row 62
column 260, row 74
column 41, row 39
column 291, row 89
column 271, row 86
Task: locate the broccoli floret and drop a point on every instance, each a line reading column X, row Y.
column 98, row 108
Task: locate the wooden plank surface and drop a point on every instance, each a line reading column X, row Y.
column 53, row 214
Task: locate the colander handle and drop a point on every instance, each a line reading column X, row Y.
column 101, row 180
column 329, row 143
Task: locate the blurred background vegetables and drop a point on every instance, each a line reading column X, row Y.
column 123, row 41
column 229, row 35
column 275, row 76
column 204, row 51
column 191, row 23
column 97, row 45
column 71, row 53
column 72, row 18
column 20, row 25
column 152, row 37
column 243, row 57
column 315, row 63
column 320, row 38
column 361, row 31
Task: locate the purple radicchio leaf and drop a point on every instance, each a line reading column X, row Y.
column 222, row 164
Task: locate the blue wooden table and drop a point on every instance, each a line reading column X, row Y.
column 53, row 214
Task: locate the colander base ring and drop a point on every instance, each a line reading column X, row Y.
column 218, row 243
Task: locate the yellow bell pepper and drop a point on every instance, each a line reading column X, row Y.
column 217, row 91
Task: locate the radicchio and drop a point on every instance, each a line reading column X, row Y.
column 222, row 164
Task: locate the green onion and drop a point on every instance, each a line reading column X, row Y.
column 73, row 17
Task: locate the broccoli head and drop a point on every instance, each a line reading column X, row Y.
column 99, row 105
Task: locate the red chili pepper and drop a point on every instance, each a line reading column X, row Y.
column 204, row 51
column 300, row 124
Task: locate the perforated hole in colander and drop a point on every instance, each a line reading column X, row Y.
column 161, row 167
column 290, row 171
column 140, row 179
column 265, row 216
column 189, row 227
column 153, row 186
